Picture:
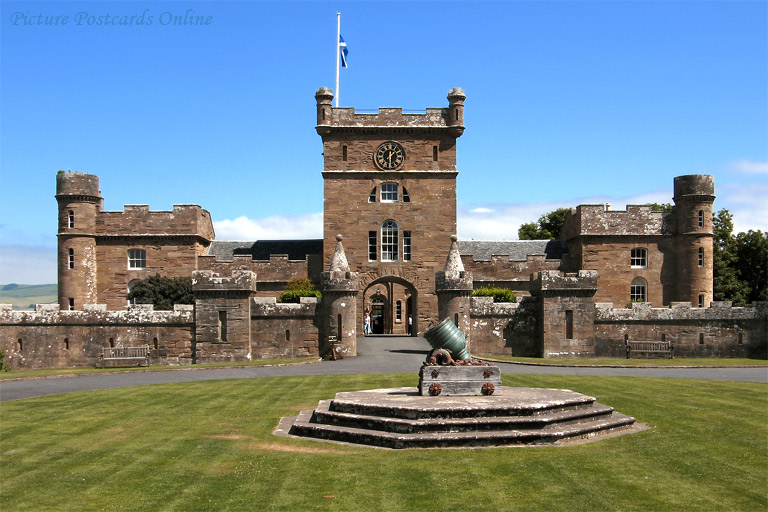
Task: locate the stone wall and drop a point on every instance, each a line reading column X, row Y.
column 505, row 273
column 504, row 328
column 51, row 338
column 717, row 331
column 284, row 330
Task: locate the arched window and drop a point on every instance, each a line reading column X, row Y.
column 71, row 262
column 638, row 290
column 372, row 196
column 701, row 256
column 389, row 240
column 71, row 219
column 137, row 258
column 389, row 192
column 701, row 218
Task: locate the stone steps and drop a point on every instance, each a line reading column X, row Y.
column 401, row 418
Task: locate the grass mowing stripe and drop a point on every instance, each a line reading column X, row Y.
column 208, row 445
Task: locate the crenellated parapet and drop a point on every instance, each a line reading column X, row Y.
column 552, row 282
column 97, row 314
column 207, row 282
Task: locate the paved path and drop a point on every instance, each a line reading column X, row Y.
column 376, row 354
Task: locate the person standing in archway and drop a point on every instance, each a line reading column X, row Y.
column 367, row 324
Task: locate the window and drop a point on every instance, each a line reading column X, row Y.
column 701, row 301
column 372, row 197
column 66, row 343
column 388, row 192
column 344, row 153
column 701, row 218
column 701, row 256
column 434, row 153
column 399, row 311
column 20, row 345
column 569, row 324
column 222, row 326
column 406, row 246
column 701, row 339
column 638, row 290
column 71, row 263
column 741, row 338
column 154, row 343
column 71, row 219
column 639, row 258
column 371, row 246
column 71, row 304
column 111, row 342
column 406, row 197
column 137, row 258
column 389, row 241
column 288, row 335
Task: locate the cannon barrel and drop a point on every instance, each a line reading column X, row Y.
column 446, row 335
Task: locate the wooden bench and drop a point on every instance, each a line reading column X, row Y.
column 125, row 356
column 663, row 348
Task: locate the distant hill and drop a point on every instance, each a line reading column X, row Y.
column 25, row 296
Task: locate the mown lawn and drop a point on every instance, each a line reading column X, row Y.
column 208, row 446
column 87, row 370
column 616, row 361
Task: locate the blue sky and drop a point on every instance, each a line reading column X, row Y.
column 567, row 103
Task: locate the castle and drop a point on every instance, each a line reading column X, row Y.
column 388, row 248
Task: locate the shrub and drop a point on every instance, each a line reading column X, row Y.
column 298, row 288
column 4, row 367
column 498, row 294
column 163, row 291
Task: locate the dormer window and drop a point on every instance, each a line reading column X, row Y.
column 389, row 192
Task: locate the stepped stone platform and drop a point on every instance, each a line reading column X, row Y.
column 403, row 418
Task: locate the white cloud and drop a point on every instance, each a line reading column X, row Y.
column 276, row 227
column 748, row 203
column 749, row 167
column 27, row 264
column 500, row 221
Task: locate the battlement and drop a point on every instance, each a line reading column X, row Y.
column 694, row 186
column 138, row 220
column 209, row 281
column 555, row 281
column 642, row 311
column 96, row 314
column 77, row 184
column 269, row 307
column 598, row 219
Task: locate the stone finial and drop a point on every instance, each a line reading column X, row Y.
column 339, row 261
column 453, row 265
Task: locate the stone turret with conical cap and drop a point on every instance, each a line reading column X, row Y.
column 454, row 289
column 340, row 288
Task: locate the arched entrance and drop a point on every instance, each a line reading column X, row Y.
column 391, row 301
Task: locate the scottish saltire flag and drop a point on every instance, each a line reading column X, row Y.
column 343, row 50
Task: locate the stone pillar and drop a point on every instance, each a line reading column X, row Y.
column 454, row 290
column 222, row 316
column 339, row 287
column 566, row 312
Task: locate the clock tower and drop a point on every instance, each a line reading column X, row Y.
column 390, row 188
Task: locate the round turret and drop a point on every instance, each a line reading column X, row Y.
column 456, row 99
column 324, row 97
column 694, row 198
column 79, row 205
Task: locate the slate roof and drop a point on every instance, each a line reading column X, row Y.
column 516, row 250
column 225, row 250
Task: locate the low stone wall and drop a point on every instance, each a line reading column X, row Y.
column 52, row 338
column 718, row 331
column 282, row 330
column 504, row 328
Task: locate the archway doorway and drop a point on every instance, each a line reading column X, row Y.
column 391, row 302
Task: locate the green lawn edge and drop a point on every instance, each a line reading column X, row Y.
column 209, row 446
column 695, row 362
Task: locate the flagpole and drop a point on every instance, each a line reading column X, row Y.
column 338, row 51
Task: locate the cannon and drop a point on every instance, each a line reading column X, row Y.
column 449, row 345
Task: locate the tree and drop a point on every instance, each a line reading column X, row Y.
column 740, row 262
column 548, row 227
column 752, row 257
column 162, row 291
column 663, row 207
column 297, row 288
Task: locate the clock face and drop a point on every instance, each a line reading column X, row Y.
column 389, row 156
